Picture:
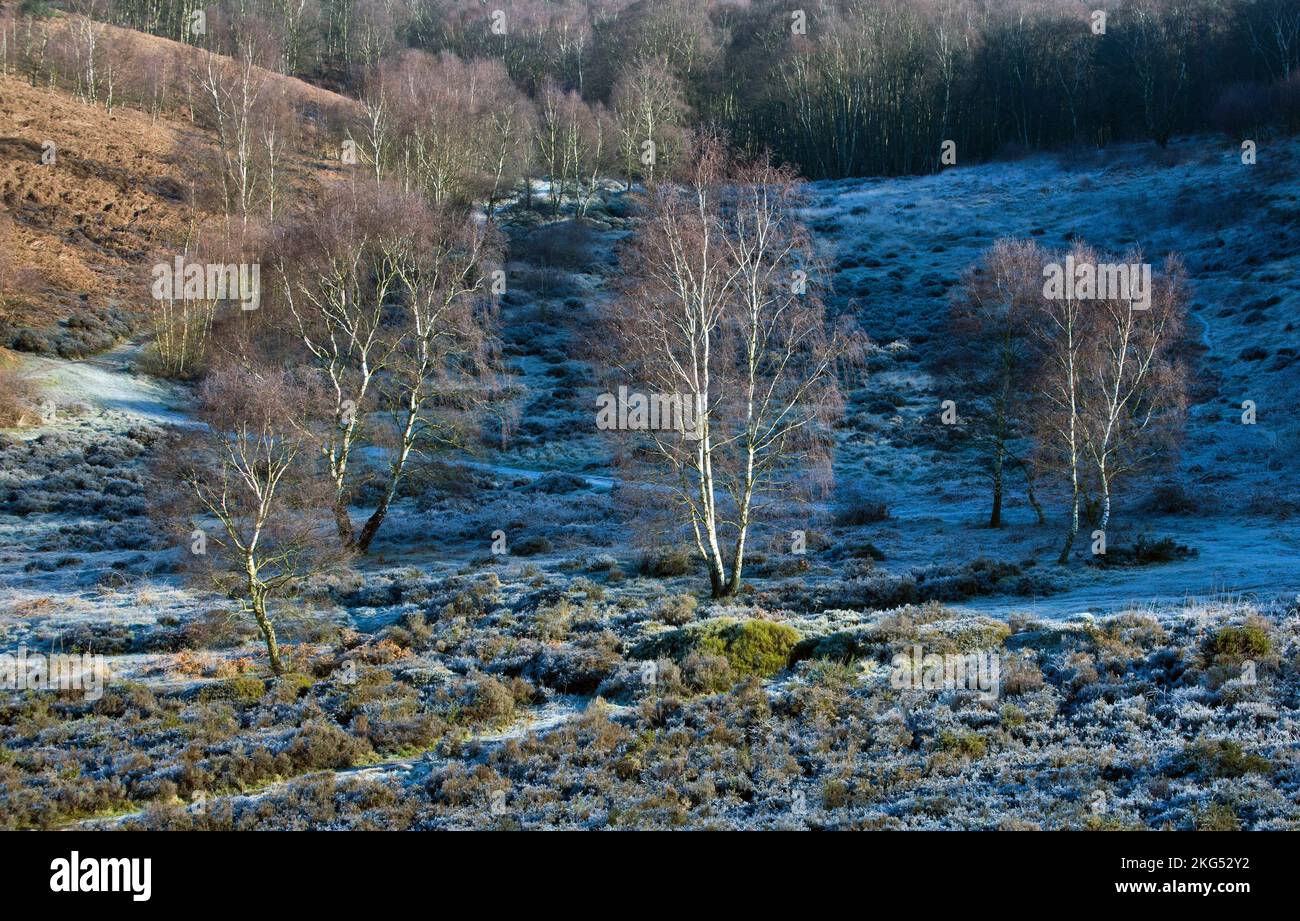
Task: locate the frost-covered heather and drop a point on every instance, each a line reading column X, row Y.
column 1127, row 721
column 532, row 684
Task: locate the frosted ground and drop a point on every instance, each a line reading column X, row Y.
column 436, row 685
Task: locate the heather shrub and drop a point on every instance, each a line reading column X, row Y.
column 665, row 564
column 1220, row 758
column 291, row 686
column 676, row 610
column 707, row 674
column 532, row 545
column 1146, row 552
column 490, row 701
column 557, row 483
column 1020, row 675
column 856, row 507
column 1217, row 817
column 970, row 745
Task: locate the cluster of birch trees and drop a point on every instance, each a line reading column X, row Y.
column 372, row 348
column 1077, row 392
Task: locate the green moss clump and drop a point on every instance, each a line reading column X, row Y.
column 1236, row 644
column 751, row 647
column 242, row 689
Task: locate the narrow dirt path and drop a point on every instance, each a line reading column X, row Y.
column 106, row 383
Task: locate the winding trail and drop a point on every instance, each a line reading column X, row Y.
column 107, row 383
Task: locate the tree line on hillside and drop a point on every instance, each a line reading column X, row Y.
column 833, row 88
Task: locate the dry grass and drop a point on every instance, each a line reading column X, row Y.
column 17, row 400
column 32, row 607
column 82, row 225
column 84, row 230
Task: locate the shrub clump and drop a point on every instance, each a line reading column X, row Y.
column 970, row 745
column 937, row 628
column 666, row 564
column 242, row 689
column 291, row 686
column 856, row 508
column 1233, row 645
column 707, row 674
column 557, row 483
column 1217, row 817
column 676, row 610
column 1145, row 552
column 490, row 701
column 751, row 647
column 531, row 546
column 1222, row 758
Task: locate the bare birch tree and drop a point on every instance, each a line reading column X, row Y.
column 719, row 314
column 1112, row 392
column 336, row 280
column 244, row 471
column 1061, row 336
column 1136, row 387
column 441, row 365
column 993, row 318
column 230, row 95
column 649, row 109
column 388, row 295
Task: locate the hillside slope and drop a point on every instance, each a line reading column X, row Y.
column 79, row 228
column 91, row 197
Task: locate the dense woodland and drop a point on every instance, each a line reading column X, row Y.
column 834, row 89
